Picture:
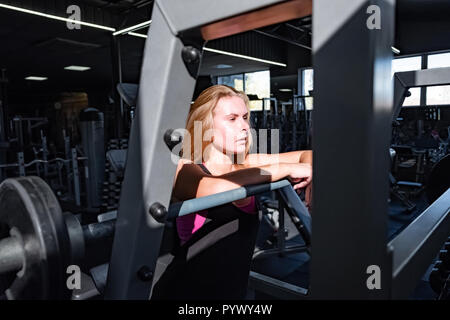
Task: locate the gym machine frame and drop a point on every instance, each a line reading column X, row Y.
column 356, row 214
column 403, row 81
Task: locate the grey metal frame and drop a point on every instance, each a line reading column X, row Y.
column 350, row 142
column 352, row 108
column 403, row 81
column 416, row 246
column 166, row 89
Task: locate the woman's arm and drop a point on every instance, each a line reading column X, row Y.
column 260, row 159
column 192, row 182
column 304, row 156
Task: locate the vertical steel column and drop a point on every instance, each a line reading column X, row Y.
column 423, row 90
column 17, row 121
column 44, row 153
column 21, row 164
column 352, row 123
column 117, row 78
column 68, row 154
column 166, row 88
column 3, row 119
column 281, row 227
column 76, row 177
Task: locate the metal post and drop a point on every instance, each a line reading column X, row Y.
column 44, row 153
column 281, row 227
column 76, row 177
column 423, row 90
column 18, row 129
column 68, row 154
column 3, row 119
column 351, row 143
column 264, row 114
column 138, row 235
column 117, row 78
column 294, row 123
column 21, row 162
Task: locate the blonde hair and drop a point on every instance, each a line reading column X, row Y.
column 202, row 110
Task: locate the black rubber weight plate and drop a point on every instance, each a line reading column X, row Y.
column 28, row 205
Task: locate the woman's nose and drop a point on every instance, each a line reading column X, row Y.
column 244, row 124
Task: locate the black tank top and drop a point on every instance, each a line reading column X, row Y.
column 214, row 264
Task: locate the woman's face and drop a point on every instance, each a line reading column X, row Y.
column 231, row 125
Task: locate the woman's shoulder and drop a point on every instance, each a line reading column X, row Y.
column 183, row 161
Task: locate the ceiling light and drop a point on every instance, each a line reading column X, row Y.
column 50, row 16
column 77, row 68
column 244, row 57
column 140, row 35
column 133, row 28
column 34, row 78
column 223, row 66
column 224, row 52
column 285, row 90
column 395, row 50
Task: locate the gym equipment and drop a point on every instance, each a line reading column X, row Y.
column 360, row 227
column 38, row 242
column 403, row 81
column 439, row 179
column 292, row 122
column 440, row 274
column 299, row 215
column 72, row 170
column 114, row 173
column 37, row 246
column 128, row 92
column 92, row 132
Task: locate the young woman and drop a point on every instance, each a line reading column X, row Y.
column 214, row 258
column 216, row 156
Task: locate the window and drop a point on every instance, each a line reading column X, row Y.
column 440, row 60
column 307, row 86
column 257, row 83
column 236, row 81
column 409, row 64
column 438, row 94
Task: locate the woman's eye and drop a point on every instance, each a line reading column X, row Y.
column 232, row 119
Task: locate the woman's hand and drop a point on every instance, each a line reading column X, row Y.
column 300, row 174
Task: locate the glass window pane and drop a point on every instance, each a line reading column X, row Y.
column 257, row 83
column 409, row 64
column 438, row 95
column 307, row 86
column 406, row 64
column 236, row 81
column 414, row 99
column 439, row 60
column 308, row 77
column 309, row 103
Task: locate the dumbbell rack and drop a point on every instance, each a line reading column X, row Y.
column 113, row 180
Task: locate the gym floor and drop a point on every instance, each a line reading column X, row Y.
column 294, row 268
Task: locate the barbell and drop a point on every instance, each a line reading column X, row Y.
column 38, row 242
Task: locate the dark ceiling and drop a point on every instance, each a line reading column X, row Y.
column 32, row 45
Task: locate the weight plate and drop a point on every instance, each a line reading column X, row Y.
column 29, row 207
